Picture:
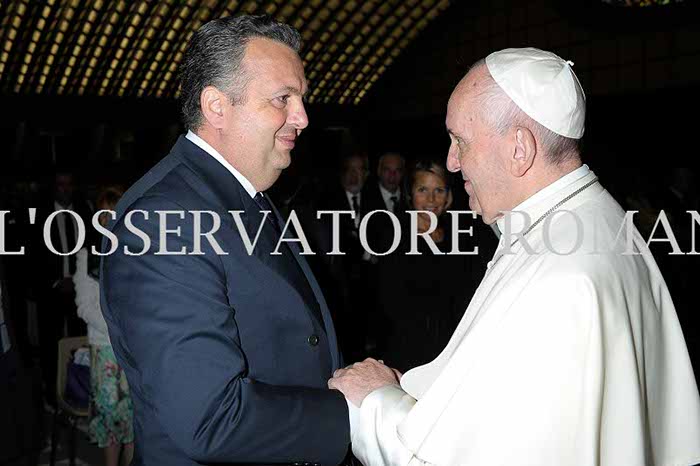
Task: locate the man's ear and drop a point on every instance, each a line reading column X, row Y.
column 212, row 102
column 524, row 153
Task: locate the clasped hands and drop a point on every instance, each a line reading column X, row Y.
column 362, row 378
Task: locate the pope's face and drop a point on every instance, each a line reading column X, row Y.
column 272, row 115
column 475, row 151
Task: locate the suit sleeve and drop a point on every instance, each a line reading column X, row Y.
column 177, row 336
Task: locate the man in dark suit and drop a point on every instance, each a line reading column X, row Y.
column 350, row 287
column 385, row 193
column 227, row 351
column 54, row 288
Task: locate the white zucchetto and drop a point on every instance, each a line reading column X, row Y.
column 544, row 87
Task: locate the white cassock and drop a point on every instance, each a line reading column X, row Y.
column 559, row 360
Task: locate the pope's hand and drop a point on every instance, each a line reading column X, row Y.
column 362, row 378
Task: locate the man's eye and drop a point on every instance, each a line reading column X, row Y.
column 282, row 99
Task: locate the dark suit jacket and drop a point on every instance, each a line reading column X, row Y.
column 380, row 229
column 226, row 360
column 49, row 264
column 375, row 201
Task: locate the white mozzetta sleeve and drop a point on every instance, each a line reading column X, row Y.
column 373, row 428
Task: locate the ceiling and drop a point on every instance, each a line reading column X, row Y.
column 124, row 48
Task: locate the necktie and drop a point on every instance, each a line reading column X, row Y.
column 394, row 200
column 264, row 204
column 303, row 284
column 356, row 208
column 70, row 241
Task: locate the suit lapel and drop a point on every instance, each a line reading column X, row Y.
column 318, row 294
column 230, row 195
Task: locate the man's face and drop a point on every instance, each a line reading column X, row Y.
column 390, row 172
column 475, row 151
column 64, row 189
column 354, row 175
column 265, row 125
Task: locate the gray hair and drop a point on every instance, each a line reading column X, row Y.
column 501, row 113
column 345, row 161
column 214, row 58
column 388, row 154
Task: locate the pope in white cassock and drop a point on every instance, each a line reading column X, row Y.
column 570, row 352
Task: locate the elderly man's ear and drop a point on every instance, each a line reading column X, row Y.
column 212, row 102
column 524, row 152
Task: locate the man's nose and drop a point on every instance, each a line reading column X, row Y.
column 452, row 161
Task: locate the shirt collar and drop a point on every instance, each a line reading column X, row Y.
column 204, row 145
column 387, row 195
column 57, row 206
column 532, row 206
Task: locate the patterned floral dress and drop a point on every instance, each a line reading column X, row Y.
column 111, row 418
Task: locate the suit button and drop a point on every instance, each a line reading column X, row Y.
column 313, row 340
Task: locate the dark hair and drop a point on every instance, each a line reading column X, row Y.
column 214, row 57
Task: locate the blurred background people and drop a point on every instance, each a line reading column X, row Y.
column 422, row 297
column 57, row 315
column 111, row 413
column 349, row 295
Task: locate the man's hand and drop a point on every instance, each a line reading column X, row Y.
column 362, row 378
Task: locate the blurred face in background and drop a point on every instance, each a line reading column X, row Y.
column 354, row 174
column 430, row 192
column 64, row 189
column 390, row 171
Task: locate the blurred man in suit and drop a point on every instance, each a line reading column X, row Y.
column 386, row 193
column 227, row 351
column 54, row 287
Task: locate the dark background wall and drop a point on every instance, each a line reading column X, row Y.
column 640, row 68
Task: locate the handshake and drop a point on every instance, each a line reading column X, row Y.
column 362, row 378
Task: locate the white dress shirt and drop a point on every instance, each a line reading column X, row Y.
column 386, row 195
column 202, row 144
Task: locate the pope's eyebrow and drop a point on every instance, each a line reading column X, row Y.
column 294, row 91
column 453, row 134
